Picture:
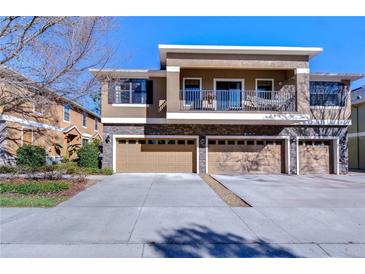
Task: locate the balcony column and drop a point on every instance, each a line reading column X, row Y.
column 173, row 88
column 302, row 86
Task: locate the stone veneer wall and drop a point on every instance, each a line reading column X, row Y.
column 229, row 130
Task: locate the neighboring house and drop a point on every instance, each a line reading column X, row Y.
column 58, row 124
column 357, row 130
column 226, row 109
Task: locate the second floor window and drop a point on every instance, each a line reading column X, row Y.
column 131, row 91
column 84, row 119
column 38, row 106
column 66, row 113
column 264, row 88
column 327, row 93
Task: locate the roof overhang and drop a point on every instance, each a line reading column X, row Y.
column 261, row 50
column 127, row 73
column 335, row 77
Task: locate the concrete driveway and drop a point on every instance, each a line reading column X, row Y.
column 164, row 215
column 325, row 209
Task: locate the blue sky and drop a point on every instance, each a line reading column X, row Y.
column 343, row 38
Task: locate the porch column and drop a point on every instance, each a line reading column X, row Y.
column 302, row 86
column 173, row 88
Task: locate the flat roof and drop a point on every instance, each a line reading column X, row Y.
column 331, row 76
column 267, row 50
column 128, row 73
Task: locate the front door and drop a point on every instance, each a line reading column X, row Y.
column 229, row 95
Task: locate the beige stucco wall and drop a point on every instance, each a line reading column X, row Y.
column 241, row 61
column 155, row 110
column 249, row 76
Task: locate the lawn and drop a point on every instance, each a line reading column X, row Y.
column 30, row 201
column 39, row 193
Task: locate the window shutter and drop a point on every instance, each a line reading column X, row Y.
column 149, row 86
column 111, row 92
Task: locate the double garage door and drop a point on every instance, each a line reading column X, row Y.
column 156, row 155
column 246, row 156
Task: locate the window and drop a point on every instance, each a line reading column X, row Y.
column 229, row 93
column 192, row 87
column 190, row 142
column 327, row 93
column 192, row 84
column 66, row 113
column 85, row 141
column 38, row 106
column 133, row 91
column 84, row 119
column 96, row 124
column 264, row 88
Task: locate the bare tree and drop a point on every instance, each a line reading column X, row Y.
column 54, row 54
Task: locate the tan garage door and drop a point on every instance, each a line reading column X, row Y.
column 156, row 155
column 245, row 156
column 315, row 157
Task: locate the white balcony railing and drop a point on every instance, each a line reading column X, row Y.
column 237, row 100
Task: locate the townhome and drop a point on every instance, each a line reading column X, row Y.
column 226, row 110
column 32, row 116
column 357, row 130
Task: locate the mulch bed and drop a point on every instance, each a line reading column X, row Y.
column 226, row 195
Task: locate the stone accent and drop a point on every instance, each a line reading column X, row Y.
column 229, row 130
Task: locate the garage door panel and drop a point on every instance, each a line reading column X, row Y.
column 223, row 159
column 315, row 158
column 156, row 158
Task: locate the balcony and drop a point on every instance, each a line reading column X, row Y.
column 238, row 100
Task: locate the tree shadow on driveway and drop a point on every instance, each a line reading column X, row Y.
column 197, row 241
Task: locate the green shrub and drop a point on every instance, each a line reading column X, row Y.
column 88, row 156
column 7, row 169
column 73, row 168
column 68, row 168
column 31, row 156
column 33, row 187
column 101, row 171
column 106, row 171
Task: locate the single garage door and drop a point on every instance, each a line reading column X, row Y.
column 315, row 157
column 156, row 155
column 245, row 156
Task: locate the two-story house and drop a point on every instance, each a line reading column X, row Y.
column 357, row 130
column 226, row 109
column 29, row 115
